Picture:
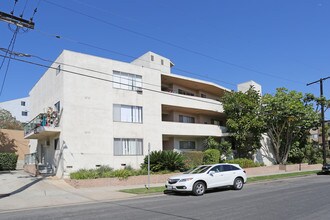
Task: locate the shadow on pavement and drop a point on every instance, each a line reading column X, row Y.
column 21, row 188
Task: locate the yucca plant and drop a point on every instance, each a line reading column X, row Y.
column 164, row 160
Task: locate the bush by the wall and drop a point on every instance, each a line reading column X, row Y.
column 193, row 158
column 244, row 163
column 211, row 156
column 164, row 160
column 8, row 161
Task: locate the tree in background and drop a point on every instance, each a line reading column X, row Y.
column 6, row 144
column 289, row 115
column 244, row 120
column 7, row 121
column 224, row 146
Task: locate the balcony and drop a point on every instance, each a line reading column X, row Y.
column 43, row 126
column 193, row 129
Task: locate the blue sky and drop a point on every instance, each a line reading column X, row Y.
column 277, row 43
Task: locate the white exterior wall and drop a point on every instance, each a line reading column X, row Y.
column 15, row 108
column 87, row 128
column 244, row 87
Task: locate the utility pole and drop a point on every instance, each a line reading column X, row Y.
column 18, row 21
column 322, row 116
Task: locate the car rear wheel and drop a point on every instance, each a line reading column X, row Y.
column 238, row 183
column 199, row 188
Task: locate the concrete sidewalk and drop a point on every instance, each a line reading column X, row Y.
column 19, row 191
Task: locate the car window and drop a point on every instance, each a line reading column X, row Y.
column 200, row 169
column 216, row 169
column 227, row 168
column 234, row 168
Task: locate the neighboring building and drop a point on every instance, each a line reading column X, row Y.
column 316, row 135
column 19, row 108
column 110, row 115
column 20, row 146
column 244, row 87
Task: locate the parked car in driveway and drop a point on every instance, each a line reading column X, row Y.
column 326, row 168
column 206, row 177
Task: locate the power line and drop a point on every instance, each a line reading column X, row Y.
column 10, row 57
column 171, row 44
column 126, row 55
column 108, row 80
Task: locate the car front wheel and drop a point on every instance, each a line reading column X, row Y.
column 238, row 183
column 199, row 188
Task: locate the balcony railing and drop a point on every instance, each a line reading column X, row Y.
column 49, row 119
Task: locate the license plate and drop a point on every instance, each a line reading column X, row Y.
column 169, row 187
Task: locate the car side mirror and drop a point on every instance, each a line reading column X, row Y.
column 212, row 172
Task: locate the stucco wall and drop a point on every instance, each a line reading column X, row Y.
column 21, row 145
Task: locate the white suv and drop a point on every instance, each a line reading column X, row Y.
column 206, row 177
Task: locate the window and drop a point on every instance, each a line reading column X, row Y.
column 162, row 61
column 128, row 146
column 152, row 57
column 187, row 145
column 186, row 119
column 57, row 106
column 127, row 113
column 183, row 92
column 127, row 81
column 225, row 168
column 58, row 70
column 56, row 144
column 24, row 113
column 22, row 103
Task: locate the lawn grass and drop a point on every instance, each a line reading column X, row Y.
column 160, row 189
column 280, row 176
column 144, row 190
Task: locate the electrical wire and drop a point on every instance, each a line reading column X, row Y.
column 108, row 80
column 10, row 57
column 172, row 44
column 129, row 56
column 66, row 64
column 8, row 49
column 13, row 10
column 35, row 11
column 22, row 14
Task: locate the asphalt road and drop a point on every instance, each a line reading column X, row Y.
column 299, row 198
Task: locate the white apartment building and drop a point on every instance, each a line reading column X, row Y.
column 19, row 108
column 92, row 111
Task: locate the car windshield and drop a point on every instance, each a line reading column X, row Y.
column 200, row 169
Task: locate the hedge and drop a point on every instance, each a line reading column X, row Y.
column 211, row 156
column 8, row 161
column 245, row 163
column 193, row 158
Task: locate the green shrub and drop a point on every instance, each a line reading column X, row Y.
column 211, row 156
column 8, row 161
column 122, row 173
column 244, row 163
column 192, row 159
column 164, row 160
column 313, row 155
column 85, row 174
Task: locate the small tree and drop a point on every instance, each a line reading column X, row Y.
column 244, row 120
column 289, row 116
column 7, row 121
column 6, row 144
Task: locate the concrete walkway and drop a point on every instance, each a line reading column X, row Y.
column 20, row 191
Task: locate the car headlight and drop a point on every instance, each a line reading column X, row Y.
column 185, row 179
